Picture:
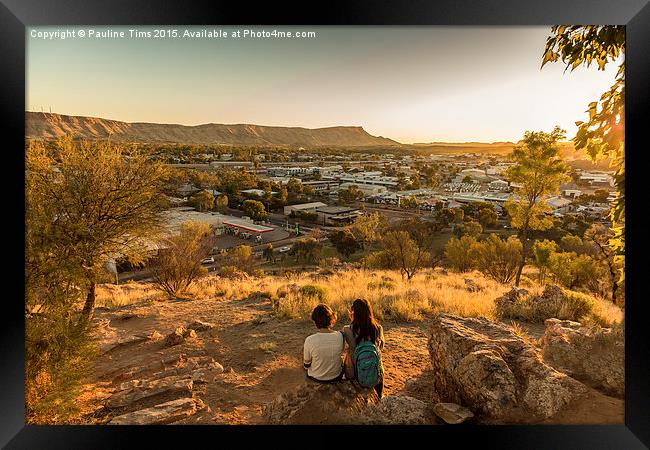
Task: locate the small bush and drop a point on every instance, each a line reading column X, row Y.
column 383, row 284
column 314, row 291
column 553, row 303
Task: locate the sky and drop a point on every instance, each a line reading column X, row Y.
column 411, row 84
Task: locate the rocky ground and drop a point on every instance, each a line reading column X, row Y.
column 225, row 361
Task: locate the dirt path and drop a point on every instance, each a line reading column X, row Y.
column 261, row 354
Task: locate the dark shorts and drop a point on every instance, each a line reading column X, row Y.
column 338, row 378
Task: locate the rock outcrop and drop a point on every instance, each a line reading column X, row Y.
column 345, row 403
column 452, row 413
column 401, row 410
column 178, row 336
column 593, row 355
column 162, row 414
column 484, row 365
column 322, row 403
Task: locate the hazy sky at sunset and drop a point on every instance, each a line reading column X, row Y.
column 412, row 84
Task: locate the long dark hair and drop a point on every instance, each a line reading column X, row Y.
column 364, row 325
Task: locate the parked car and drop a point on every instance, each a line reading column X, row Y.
column 208, row 260
column 284, row 249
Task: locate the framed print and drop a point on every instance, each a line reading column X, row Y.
column 377, row 219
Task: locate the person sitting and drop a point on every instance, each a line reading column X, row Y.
column 323, row 350
column 365, row 340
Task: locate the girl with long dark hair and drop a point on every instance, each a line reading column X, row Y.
column 363, row 328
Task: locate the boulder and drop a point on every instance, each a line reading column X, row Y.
column 513, row 295
column 322, row 403
column 198, row 325
column 135, row 390
column 484, row 365
column 161, row 414
column 593, row 355
column 402, row 410
column 178, row 336
column 452, row 413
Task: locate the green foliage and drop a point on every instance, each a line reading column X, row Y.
column 179, row 260
column 409, row 244
column 350, row 195
column 367, row 228
column 254, row 209
column 538, row 170
column 241, row 257
column 459, row 253
column 202, row 201
column 221, row 201
column 314, row 291
column 603, row 134
column 567, row 306
column 58, row 351
column 345, row 242
column 469, row 228
column 409, row 202
column 497, row 258
column 542, row 251
column 308, row 250
column 268, row 252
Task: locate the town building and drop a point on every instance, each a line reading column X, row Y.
column 337, row 215
column 306, row 207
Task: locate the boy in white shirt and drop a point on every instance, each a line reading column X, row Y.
column 323, row 350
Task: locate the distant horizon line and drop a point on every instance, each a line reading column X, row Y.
column 282, row 126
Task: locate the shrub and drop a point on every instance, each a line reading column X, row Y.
column 314, row 291
column 555, row 302
column 382, row 284
column 459, row 253
column 497, row 258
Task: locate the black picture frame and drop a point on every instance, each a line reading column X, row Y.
column 15, row 15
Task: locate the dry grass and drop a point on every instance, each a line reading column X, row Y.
column 392, row 297
column 114, row 296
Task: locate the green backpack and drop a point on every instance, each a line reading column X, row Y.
column 367, row 360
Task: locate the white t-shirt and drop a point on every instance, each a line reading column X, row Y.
column 323, row 351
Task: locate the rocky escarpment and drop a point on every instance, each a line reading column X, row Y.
column 49, row 125
column 495, row 373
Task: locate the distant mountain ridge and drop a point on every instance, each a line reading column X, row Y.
column 51, row 125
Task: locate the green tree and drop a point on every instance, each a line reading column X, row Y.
column 538, row 170
column 268, row 253
column 254, row 209
column 409, row 202
column 294, row 186
column 601, row 237
column 202, row 201
column 487, row 217
column 241, row 257
column 469, row 228
column 497, row 258
column 542, row 251
column 221, row 202
column 179, row 259
column 308, row 250
column 367, row 228
column 350, row 195
column 89, row 202
column 345, row 242
column 410, row 246
column 602, row 135
column 459, row 253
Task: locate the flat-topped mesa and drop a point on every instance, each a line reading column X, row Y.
column 48, row 126
column 485, row 366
